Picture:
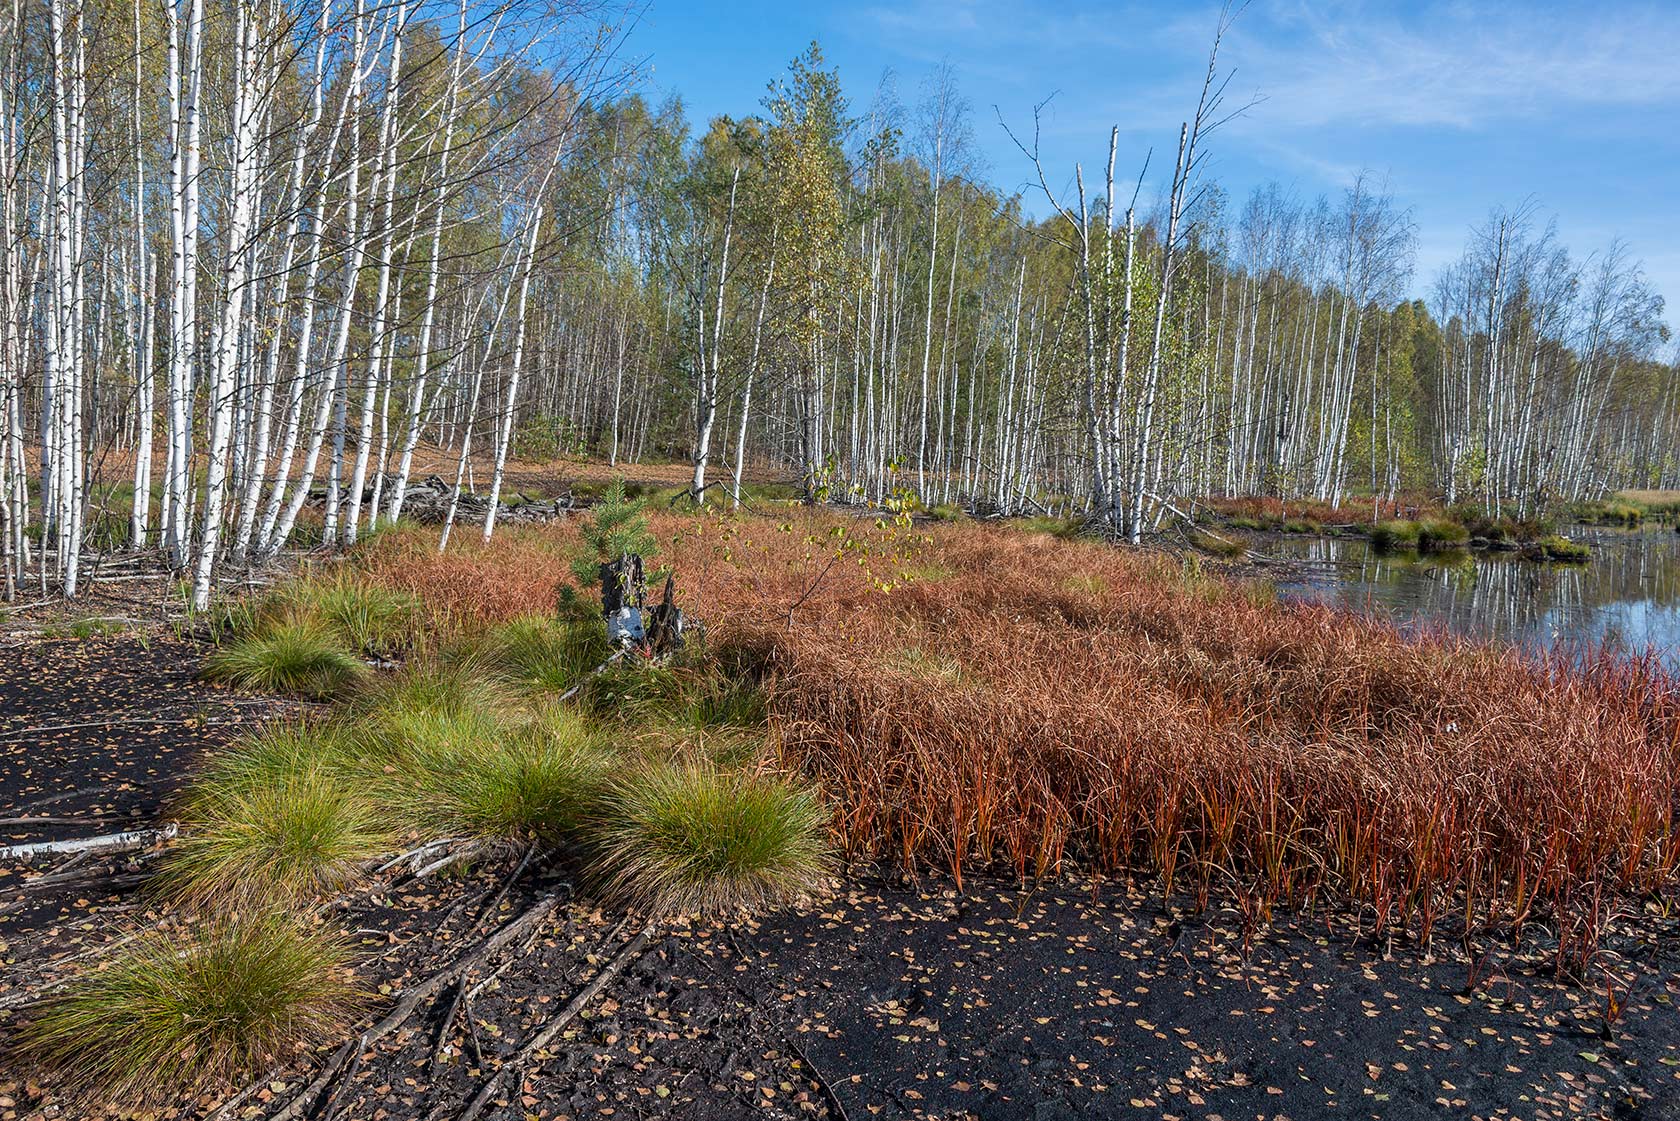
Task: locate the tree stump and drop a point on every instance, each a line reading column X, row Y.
column 623, row 594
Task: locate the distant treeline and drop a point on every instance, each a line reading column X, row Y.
column 247, row 249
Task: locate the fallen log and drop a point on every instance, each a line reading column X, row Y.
column 108, row 842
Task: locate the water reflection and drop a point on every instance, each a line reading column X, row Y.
column 1628, row 596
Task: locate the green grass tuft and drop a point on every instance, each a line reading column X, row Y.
column 173, row 1015
column 472, row 774
column 1612, row 511
column 1440, row 535
column 690, row 698
column 300, row 656
column 946, row 512
column 922, row 572
column 369, row 618
column 277, row 819
column 451, row 688
column 919, row 663
column 1555, row 548
column 1394, row 537
column 689, row 838
column 546, row 656
column 1067, row 529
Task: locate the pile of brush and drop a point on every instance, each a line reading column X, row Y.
column 428, row 502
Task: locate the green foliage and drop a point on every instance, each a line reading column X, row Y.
column 276, row 819
column 1439, row 535
column 475, row 775
column 303, row 657
column 543, row 437
column 616, row 525
column 687, row 837
column 542, row 655
column 368, row 617
column 174, row 1014
column 808, row 178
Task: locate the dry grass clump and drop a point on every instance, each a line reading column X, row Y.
column 1071, row 700
column 173, row 1013
column 473, row 585
column 1107, row 706
column 275, row 819
column 302, row 656
column 688, row 837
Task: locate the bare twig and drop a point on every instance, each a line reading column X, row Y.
column 631, row 951
column 451, row 859
column 415, row 854
column 227, row 1108
column 300, row 1105
column 573, row 691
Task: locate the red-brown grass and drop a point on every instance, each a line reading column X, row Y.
column 1042, row 701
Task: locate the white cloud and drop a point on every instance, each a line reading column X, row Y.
column 1457, row 65
column 1343, row 86
column 1316, row 62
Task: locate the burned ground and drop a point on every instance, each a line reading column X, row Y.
column 889, row 999
column 98, row 731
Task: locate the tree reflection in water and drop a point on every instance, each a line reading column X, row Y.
column 1627, row 597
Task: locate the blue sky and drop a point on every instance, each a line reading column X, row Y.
column 1461, row 106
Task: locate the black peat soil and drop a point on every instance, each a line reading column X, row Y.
column 96, row 735
column 889, row 1000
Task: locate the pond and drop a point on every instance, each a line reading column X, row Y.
column 1627, row 597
